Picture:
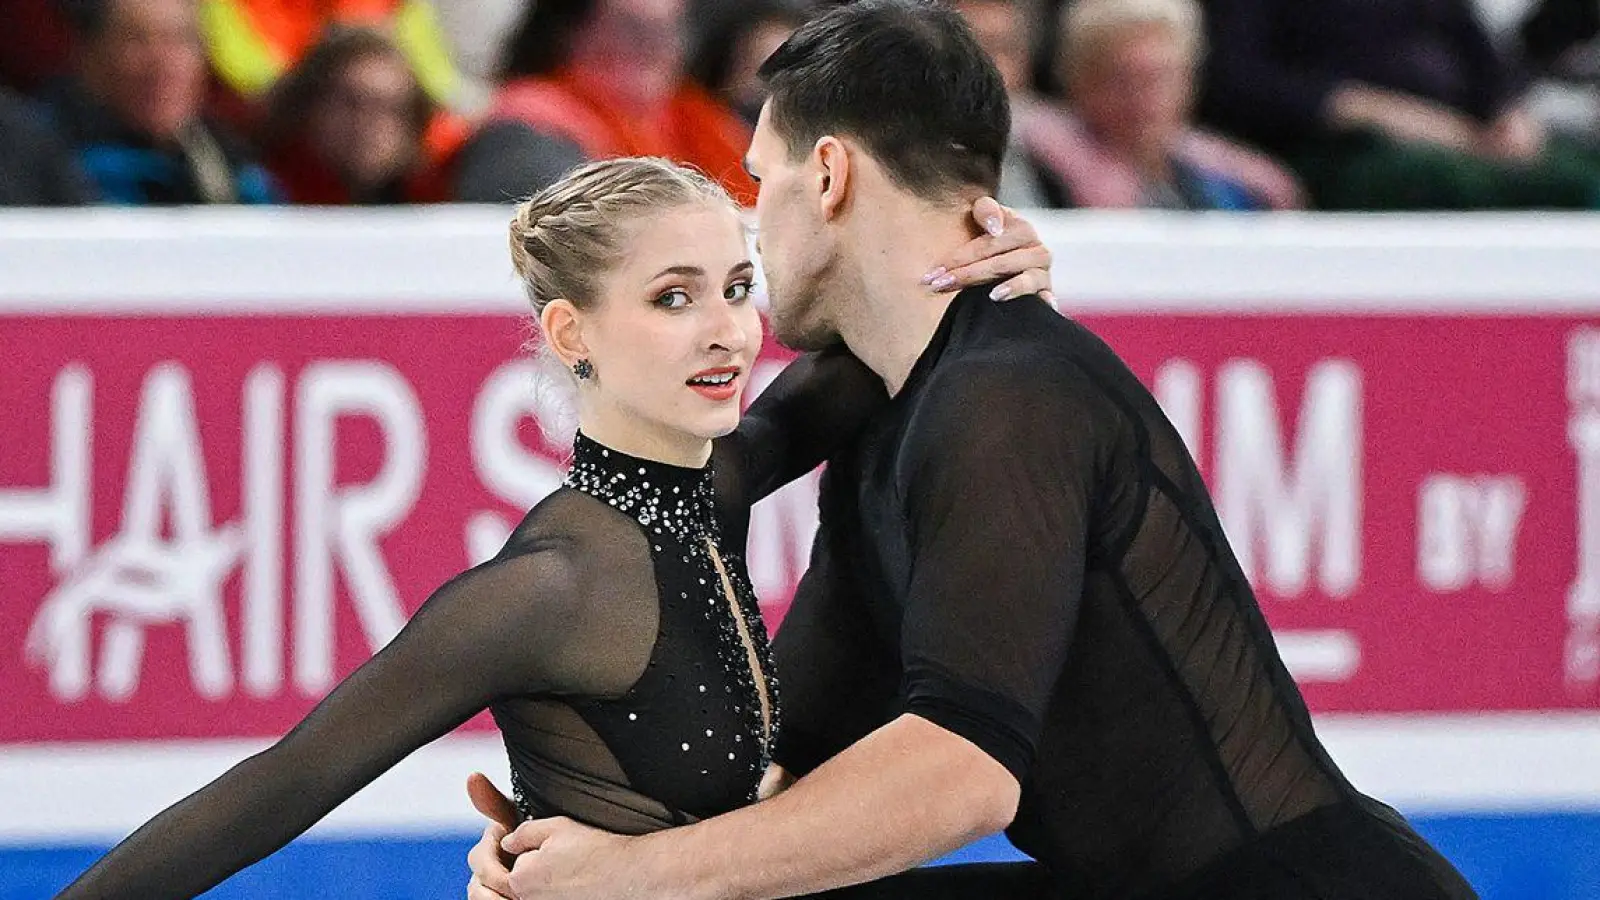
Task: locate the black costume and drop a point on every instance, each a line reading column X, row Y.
column 615, row 637
column 1021, row 550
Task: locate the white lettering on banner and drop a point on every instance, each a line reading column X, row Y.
column 1467, row 530
column 263, row 523
column 1246, row 412
column 137, row 579
column 1265, row 500
column 515, row 392
column 347, row 521
column 1583, row 430
column 1181, row 393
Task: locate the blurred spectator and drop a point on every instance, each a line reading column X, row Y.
column 732, row 39
column 1561, row 41
column 347, row 123
column 1002, row 28
column 1126, row 138
column 251, row 43
column 132, row 111
column 591, row 79
column 36, row 168
column 1399, row 104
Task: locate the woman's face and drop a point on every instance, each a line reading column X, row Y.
column 361, row 128
column 675, row 333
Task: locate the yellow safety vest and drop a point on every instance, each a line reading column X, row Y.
column 249, row 61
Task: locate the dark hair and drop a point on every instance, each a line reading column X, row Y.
column 721, row 25
column 908, row 80
column 542, row 39
column 302, row 87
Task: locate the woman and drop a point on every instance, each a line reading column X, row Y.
column 350, row 124
column 615, row 638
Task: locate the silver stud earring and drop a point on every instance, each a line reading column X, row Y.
column 583, row 369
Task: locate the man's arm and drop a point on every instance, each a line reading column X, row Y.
column 905, row 794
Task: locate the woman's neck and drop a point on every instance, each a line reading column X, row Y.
column 627, row 434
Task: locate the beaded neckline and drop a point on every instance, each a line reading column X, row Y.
column 662, row 497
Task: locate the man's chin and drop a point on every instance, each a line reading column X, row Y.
column 803, row 337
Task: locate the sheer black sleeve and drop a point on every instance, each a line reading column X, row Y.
column 839, row 679
column 818, row 403
column 1000, row 480
column 515, row 625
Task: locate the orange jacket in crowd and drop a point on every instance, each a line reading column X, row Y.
column 692, row 127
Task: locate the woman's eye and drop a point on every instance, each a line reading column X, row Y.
column 676, row 298
column 738, row 293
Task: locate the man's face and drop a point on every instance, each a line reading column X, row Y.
column 796, row 249
column 147, row 65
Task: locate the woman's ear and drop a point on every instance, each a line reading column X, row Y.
column 563, row 331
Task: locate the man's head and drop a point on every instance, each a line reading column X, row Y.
column 874, row 105
column 144, row 61
column 1130, row 68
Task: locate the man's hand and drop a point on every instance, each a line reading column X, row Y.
column 1008, row 246
column 491, row 866
column 571, row 862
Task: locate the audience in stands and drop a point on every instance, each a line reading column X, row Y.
column 1399, row 104
column 732, row 38
column 132, row 110
column 347, row 125
column 36, row 168
column 590, row 79
column 1124, row 136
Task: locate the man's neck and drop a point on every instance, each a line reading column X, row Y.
column 897, row 315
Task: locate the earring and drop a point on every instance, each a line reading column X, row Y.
column 583, row 369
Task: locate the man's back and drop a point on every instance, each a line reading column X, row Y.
column 1042, row 571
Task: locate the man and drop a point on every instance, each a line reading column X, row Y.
column 1021, row 611
column 133, row 110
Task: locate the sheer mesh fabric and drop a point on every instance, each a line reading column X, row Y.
column 589, row 636
column 1023, row 549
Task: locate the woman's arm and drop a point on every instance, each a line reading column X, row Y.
column 462, row 649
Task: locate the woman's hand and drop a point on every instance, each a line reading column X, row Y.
column 1009, row 248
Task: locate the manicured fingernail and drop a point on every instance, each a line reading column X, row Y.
column 1000, row 293
column 994, row 226
column 944, row 282
column 933, row 276
column 1048, row 297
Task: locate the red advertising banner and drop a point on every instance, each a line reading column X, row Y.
column 206, row 521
